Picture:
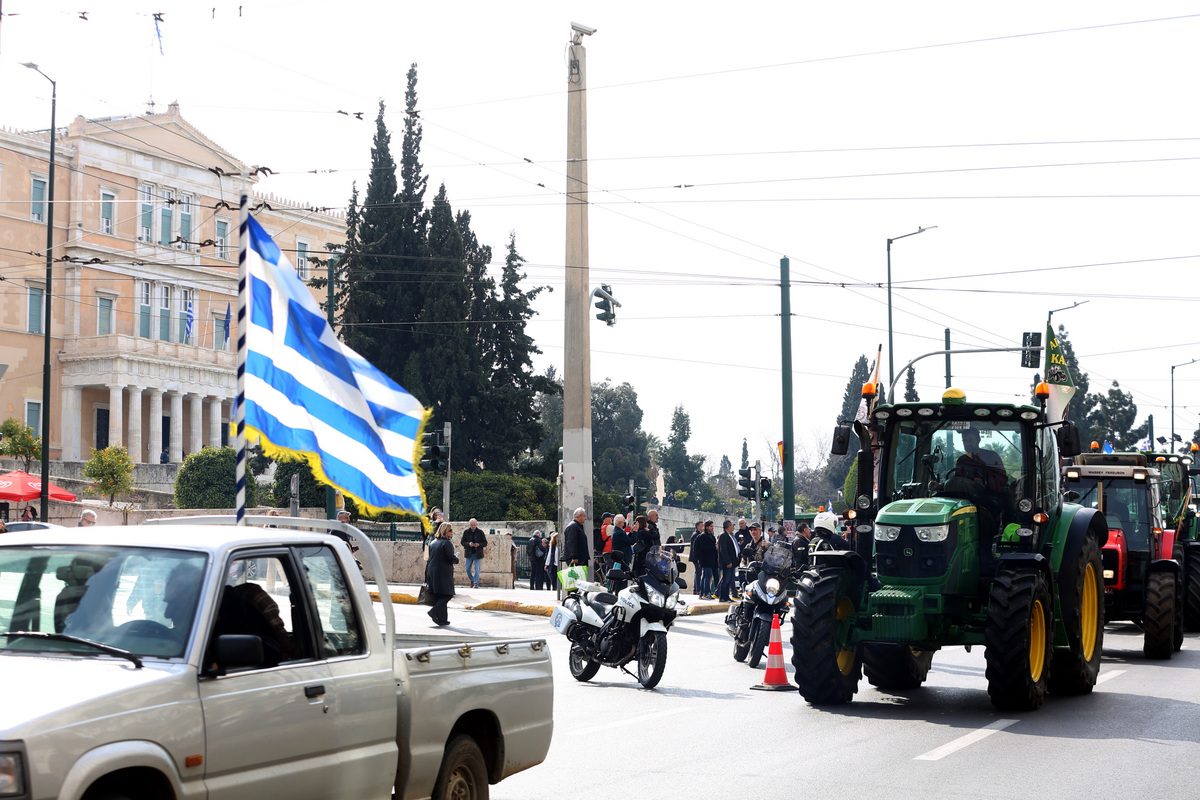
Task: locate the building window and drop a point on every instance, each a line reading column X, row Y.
column 185, row 222
column 302, row 259
column 104, row 316
column 164, row 313
column 37, row 210
column 222, row 236
column 144, row 310
column 33, row 416
column 168, row 208
column 186, row 317
column 37, row 305
column 146, row 194
column 107, row 203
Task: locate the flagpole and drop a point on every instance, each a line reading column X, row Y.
column 240, row 403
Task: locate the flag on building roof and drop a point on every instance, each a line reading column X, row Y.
column 228, row 322
column 1058, row 376
column 311, row 397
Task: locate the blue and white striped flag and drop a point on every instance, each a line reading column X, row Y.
column 309, row 396
column 187, row 328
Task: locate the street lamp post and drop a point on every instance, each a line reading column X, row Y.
column 49, row 294
column 1184, row 364
column 891, row 351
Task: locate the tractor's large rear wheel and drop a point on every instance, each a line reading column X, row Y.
column 896, row 667
column 1192, row 590
column 1074, row 671
column 1019, row 637
column 827, row 668
column 1158, row 618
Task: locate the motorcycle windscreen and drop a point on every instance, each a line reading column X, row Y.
column 660, row 565
column 778, row 559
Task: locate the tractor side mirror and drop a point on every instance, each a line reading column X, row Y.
column 841, row 440
column 1070, row 496
column 1069, row 444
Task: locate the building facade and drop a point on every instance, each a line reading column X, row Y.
column 144, row 306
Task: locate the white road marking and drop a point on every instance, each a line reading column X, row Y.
column 965, row 741
column 1109, row 675
column 617, row 723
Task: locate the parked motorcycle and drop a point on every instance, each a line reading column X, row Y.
column 610, row 630
column 765, row 595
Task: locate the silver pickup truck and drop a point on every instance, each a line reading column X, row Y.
column 209, row 661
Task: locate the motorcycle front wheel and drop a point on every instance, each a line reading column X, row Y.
column 652, row 658
column 760, row 636
column 582, row 667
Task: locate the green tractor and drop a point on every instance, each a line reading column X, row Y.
column 961, row 538
column 1178, row 494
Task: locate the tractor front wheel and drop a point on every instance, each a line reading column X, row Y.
column 1158, row 619
column 1019, row 639
column 1074, row 671
column 827, row 668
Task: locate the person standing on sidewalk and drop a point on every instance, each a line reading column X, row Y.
column 473, row 544
column 439, row 573
column 575, row 541
column 552, row 550
column 535, row 548
column 727, row 557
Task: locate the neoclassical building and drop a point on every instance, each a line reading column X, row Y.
column 144, row 306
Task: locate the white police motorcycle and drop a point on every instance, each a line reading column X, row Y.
column 610, row 630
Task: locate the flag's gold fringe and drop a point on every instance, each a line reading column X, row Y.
column 314, row 463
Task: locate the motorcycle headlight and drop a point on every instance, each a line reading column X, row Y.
column 655, row 597
column 672, row 599
column 772, row 586
column 12, row 775
column 887, row 533
column 933, row 533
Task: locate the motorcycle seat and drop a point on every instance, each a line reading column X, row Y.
column 602, row 598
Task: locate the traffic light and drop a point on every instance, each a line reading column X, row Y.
column 630, row 505
column 604, row 302
column 437, row 456
column 746, row 482
column 764, row 487
column 644, row 493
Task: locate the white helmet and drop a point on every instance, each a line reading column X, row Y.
column 825, row 521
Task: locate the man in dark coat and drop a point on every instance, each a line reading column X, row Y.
column 536, row 550
column 697, row 541
column 474, row 543
column 652, row 517
column 727, row 558
column 439, row 573
column 706, row 556
column 575, row 541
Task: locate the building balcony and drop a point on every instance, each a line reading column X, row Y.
column 123, row 346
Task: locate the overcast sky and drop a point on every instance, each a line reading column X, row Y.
column 1054, row 146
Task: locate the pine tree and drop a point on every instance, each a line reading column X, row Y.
column 745, row 455
column 851, row 398
column 1112, row 419
column 910, row 387
column 684, row 472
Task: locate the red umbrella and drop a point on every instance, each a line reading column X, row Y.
column 20, row 486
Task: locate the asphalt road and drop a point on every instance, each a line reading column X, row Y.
column 702, row 733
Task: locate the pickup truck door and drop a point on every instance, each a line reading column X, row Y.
column 362, row 684
column 268, row 728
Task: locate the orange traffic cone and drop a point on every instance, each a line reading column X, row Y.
column 776, row 678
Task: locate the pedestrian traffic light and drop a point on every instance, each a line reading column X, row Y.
column 630, row 504
column 746, row 482
column 604, row 302
column 437, row 456
column 764, row 488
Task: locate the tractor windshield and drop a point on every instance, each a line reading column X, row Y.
column 1126, row 506
column 939, row 457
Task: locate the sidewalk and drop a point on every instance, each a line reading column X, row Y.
column 523, row 601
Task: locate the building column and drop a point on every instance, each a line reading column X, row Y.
column 195, row 423
column 176, row 449
column 134, row 445
column 154, row 446
column 214, row 421
column 71, row 422
column 115, row 415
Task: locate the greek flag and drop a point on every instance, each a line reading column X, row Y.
column 308, row 396
column 187, row 328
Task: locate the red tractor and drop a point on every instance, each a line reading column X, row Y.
column 1142, row 564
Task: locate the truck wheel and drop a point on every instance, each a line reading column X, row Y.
column 582, row 667
column 1019, row 636
column 463, row 775
column 1158, row 620
column 1074, row 671
column 758, row 642
column 896, row 667
column 827, row 669
column 1192, row 591
column 652, row 658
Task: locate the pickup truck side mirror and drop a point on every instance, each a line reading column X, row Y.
column 841, row 440
column 238, row 651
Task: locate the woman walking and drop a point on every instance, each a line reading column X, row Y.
column 552, row 561
column 439, row 572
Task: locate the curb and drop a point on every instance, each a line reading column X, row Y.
column 709, row 608
column 513, row 607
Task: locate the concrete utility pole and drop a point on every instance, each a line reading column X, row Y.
column 577, row 370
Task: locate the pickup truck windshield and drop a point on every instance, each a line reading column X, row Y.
column 142, row 600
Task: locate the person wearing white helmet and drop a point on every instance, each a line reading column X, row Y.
column 825, row 535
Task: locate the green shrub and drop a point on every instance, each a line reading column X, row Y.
column 111, row 471
column 207, row 480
